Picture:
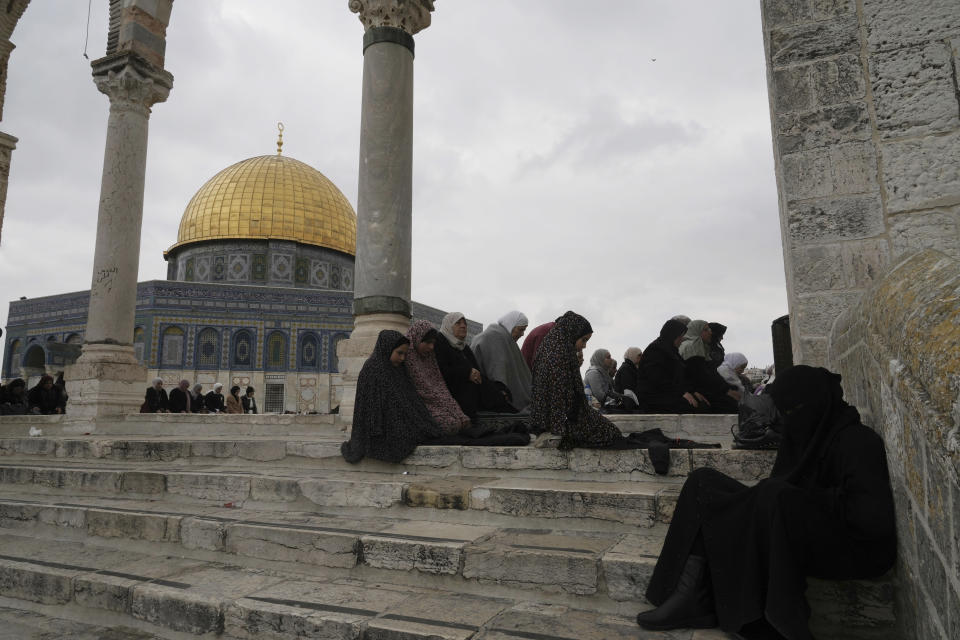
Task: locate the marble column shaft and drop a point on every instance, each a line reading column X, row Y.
column 384, row 224
column 132, row 89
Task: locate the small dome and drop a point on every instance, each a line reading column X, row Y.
column 270, row 197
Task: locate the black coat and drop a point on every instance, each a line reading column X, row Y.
column 197, row 404
column 701, row 375
column 455, row 366
column 177, row 402
column 249, row 404
column 660, row 379
column 626, row 378
column 826, row 511
column 213, row 401
column 155, row 400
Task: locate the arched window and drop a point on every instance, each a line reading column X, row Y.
column 76, row 338
column 276, row 355
column 242, row 350
column 36, row 358
column 334, row 361
column 51, row 338
column 309, row 352
column 13, row 360
column 171, row 349
column 208, row 351
column 138, row 348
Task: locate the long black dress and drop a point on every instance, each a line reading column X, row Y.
column 626, row 377
column 826, row 511
column 660, row 375
column 389, row 418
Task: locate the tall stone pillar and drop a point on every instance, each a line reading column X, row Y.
column 107, row 379
column 382, row 282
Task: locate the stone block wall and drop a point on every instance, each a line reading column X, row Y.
column 865, row 112
column 897, row 350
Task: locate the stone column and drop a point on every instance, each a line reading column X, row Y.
column 107, row 379
column 382, row 283
column 7, row 144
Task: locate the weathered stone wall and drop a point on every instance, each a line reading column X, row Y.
column 898, row 352
column 10, row 14
column 865, row 112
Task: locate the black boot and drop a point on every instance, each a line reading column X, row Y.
column 690, row 606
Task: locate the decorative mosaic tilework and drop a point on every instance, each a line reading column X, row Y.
column 302, row 272
column 319, row 273
column 259, row 266
column 219, row 268
column 346, row 279
column 238, row 267
column 188, row 274
column 335, row 276
column 203, row 268
column 182, row 270
column 282, row 267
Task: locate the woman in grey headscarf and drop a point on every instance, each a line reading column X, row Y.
column 599, row 378
column 500, row 359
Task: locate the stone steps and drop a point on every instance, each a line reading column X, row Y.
column 610, row 567
column 178, row 597
column 324, row 453
column 536, row 528
column 631, row 503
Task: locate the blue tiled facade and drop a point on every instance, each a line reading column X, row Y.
column 199, row 326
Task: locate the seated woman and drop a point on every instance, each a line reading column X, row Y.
column 559, row 404
column 661, row 384
column 598, row 377
column 734, row 364
column 155, row 399
column 389, row 419
column 626, row 377
column 232, row 404
column 532, row 342
column 461, row 371
column 701, row 376
column 738, row 556
column 500, row 359
column 717, row 352
column 423, row 370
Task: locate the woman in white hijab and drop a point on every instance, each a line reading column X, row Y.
column 500, row 359
column 732, row 368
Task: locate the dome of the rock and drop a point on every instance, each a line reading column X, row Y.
column 270, row 198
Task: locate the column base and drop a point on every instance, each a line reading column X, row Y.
column 353, row 352
column 106, row 380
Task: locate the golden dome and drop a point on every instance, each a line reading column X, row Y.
column 270, row 197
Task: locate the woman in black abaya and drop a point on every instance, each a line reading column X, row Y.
column 389, row 418
column 738, row 556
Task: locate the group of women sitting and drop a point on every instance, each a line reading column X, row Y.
column 685, row 370
column 429, row 386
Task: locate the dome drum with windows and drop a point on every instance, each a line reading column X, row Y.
column 268, row 220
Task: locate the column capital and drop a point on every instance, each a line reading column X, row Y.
column 410, row 15
column 131, row 82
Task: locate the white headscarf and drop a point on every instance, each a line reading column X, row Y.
column 446, row 328
column 734, row 360
column 513, row 319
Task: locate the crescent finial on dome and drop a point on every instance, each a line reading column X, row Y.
column 279, row 138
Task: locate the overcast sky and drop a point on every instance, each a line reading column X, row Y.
column 613, row 158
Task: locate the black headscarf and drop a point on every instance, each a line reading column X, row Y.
column 389, row 419
column 671, row 330
column 810, row 399
column 558, row 402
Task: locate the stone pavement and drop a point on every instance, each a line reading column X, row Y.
column 270, row 534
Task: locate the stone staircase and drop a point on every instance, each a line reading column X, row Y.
column 255, row 527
